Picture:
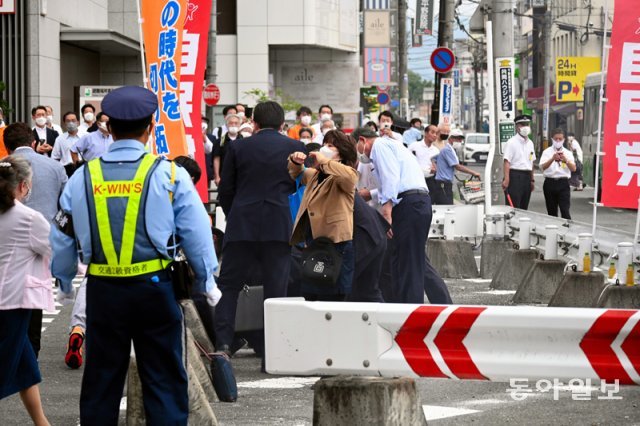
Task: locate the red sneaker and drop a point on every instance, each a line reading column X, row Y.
column 73, row 358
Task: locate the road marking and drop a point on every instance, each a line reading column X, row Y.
column 436, row 412
column 478, row 280
column 484, row 402
column 497, row 292
column 280, row 383
column 47, row 320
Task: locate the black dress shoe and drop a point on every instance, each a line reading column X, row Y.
column 238, row 343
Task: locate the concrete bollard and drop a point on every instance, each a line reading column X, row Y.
column 620, row 297
column 513, row 268
column 194, row 323
column 579, row 290
column 349, row 400
column 540, row 282
column 452, row 258
column 200, row 412
column 492, row 252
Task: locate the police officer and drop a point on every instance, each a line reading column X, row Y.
column 557, row 164
column 519, row 155
column 128, row 211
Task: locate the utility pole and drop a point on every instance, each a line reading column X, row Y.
column 547, row 74
column 445, row 39
column 402, row 53
column 502, row 36
column 477, row 68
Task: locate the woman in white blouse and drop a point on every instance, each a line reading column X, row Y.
column 25, row 284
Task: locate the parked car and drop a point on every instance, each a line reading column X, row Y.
column 476, row 147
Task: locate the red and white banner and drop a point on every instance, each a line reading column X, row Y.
column 495, row 343
column 194, row 61
column 621, row 163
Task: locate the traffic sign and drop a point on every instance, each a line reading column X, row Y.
column 382, row 88
column 442, row 60
column 211, row 94
column 446, row 100
column 383, row 98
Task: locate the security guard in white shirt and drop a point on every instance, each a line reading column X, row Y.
column 557, row 163
column 519, row 155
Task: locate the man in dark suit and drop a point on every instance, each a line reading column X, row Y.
column 254, row 195
column 370, row 243
column 44, row 136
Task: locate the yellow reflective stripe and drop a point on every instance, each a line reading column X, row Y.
column 131, row 215
column 102, row 216
column 172, row 180
column 133, row 270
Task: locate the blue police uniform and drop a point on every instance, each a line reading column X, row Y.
column 127, row 209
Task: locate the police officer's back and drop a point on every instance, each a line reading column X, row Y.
column 126, row 210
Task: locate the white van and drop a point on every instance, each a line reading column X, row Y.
column 476, row 147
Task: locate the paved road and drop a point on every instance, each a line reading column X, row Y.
column 271, row 400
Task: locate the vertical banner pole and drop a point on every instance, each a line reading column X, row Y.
column 145, row 82
column 488, row 183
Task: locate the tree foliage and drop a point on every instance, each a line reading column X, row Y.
column 416, row 87
column 288, row 102
column 4, row 104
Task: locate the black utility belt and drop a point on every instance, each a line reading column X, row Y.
column 520, row 171
column 556, row 178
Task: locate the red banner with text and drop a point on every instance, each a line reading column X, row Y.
column 621, row 163
column 194, row 61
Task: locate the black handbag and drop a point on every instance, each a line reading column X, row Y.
column 182, row 277
column 222, row 376
column 321, row 262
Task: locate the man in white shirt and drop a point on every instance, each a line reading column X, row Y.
column 325, row 112
column 425, row 151
column 385, row 121
column 50, row 123
column 557, row 163
column 406, row 205
column 519, row 155
column 576, row 180
column 62, row 149
column 88, row 113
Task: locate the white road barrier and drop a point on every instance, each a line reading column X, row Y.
column 495, row 343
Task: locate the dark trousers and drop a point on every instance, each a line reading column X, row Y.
column 35, row 330
column 557, row 193
column 519, row 188
column 386, row 278
column 434, row 286
column 411, row 220
column 366, row 276
column 271, row 262
column 443, row 192
column 431, row 184
column 142, row 309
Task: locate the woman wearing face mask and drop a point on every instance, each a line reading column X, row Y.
column 557, row 163
column 25, row 284
column 326, row 209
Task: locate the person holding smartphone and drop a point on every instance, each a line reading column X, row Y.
column 557, row 163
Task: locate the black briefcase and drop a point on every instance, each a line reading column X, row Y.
column 250, row 311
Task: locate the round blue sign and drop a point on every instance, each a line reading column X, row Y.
column 395, row 103
column 383, row 98
column 442, row 60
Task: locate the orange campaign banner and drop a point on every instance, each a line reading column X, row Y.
column 621, row 163
column 162, row 25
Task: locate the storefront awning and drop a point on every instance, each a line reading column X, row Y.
column 105, row 42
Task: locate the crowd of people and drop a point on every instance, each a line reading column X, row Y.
column 310, row 211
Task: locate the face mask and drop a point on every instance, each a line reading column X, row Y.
column 49, row 119
column 89, row 117
column 325, row 116
column 305, row 140
column 41, row 121
column 102, row 126
column 525, row 131
column 72, row 126
column 233, row 130
column 558, row 144
column 305, row 120
column 246, row 134
column 444, row 137
column 327, row 152
column 240, row 114
column 205, row 126
column 363, row 158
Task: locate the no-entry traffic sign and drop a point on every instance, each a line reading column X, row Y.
column 442, row 60
column 211, row 94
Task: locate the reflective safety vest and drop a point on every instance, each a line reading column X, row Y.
column 121, row 265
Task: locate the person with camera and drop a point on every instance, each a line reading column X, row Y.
column 557, row 163
column 326, row 212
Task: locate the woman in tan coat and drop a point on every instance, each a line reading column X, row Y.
column 326, row 209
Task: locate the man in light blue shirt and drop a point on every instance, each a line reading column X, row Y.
column 129, row 212
column 93, row 145
column 406, row 205
column 446, row 165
